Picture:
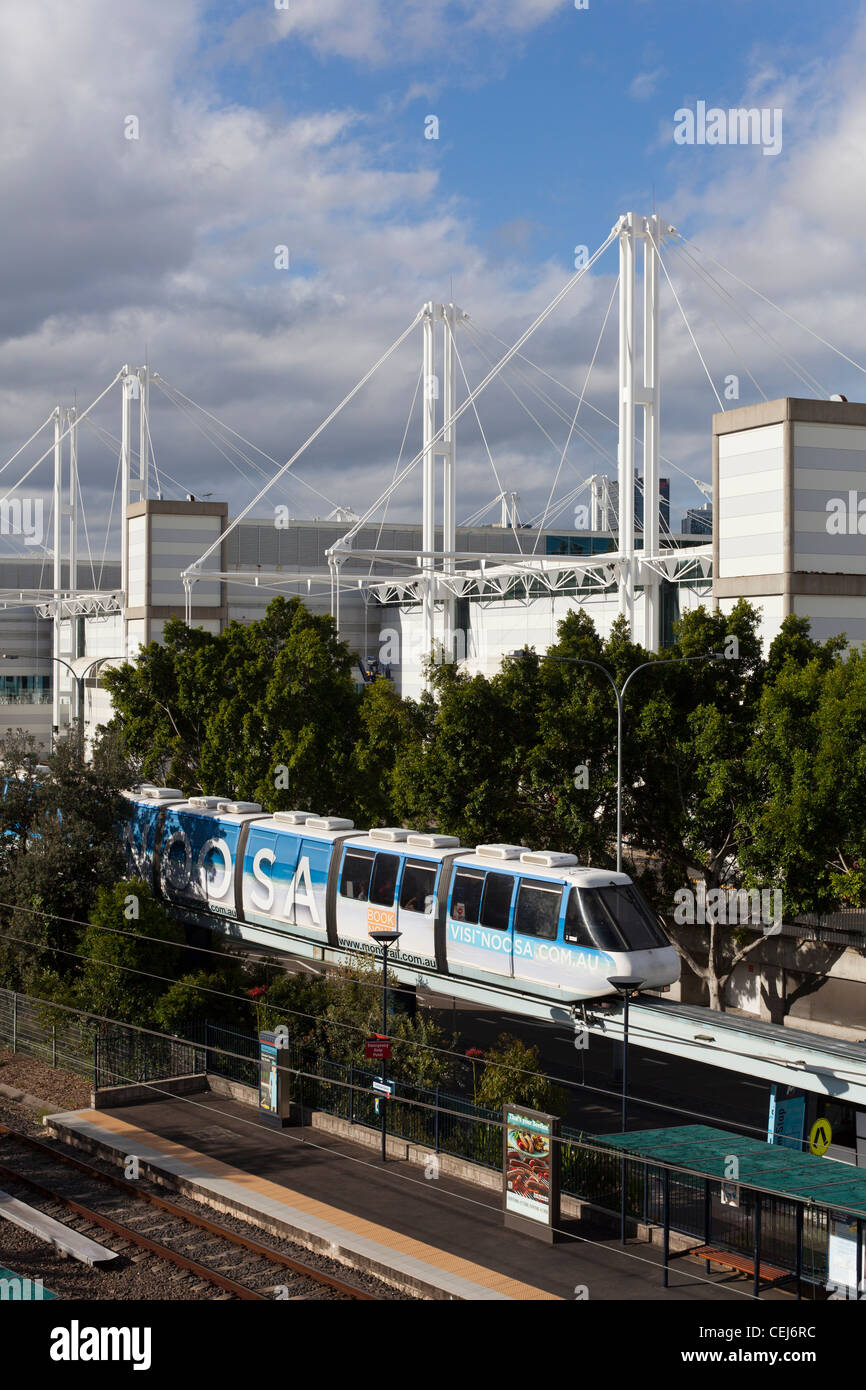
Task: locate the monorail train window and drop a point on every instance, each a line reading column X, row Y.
column 538, row 909
column 576, row 931
column 417, row 891
column 466, row 894
column 384, row 880
column 496, row 903
column 355, row 878
column 633, row 916
column 603, row 931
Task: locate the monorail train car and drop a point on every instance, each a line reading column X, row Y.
column 499, row 924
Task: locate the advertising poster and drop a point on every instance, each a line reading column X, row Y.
column 274, row 1082
column 268, row 1077
column 530, row 1159
column 842, row 1254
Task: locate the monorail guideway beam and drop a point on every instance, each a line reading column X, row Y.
column 766, row 1051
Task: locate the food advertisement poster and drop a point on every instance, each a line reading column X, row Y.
column 528, row 1165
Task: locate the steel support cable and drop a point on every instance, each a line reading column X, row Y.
column 73, row 578
column 773, row 305
column 61, row 438
column 686, row 322
column 512, row 351
column 794, row 365
column 216, row 440
column 563, row 502
column 191, row 571
column 577, row 407
column 397, row 466
column 151, row 451
column 481, row 431
column 797, row 367
column 548, row 400
column 249, row 443
column 26, row 442
column 711, row 284
column 669, row 463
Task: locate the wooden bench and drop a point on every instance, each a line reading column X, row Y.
column 741, row 1263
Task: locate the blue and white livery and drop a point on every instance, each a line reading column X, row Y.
column 499, row 924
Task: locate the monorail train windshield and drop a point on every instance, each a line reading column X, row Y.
column 613, row 918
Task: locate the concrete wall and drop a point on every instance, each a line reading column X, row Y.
column 789, row 483
column 815, row 986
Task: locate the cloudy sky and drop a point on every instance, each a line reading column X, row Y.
column 304, row 124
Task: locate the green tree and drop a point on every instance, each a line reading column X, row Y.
column 132, row 951
column 512, row 1075
column 809, row 765
column 390, row 731
column 64, row 846
column 264, row 711
column 219, row 995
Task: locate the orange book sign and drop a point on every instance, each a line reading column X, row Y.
column 381, row 919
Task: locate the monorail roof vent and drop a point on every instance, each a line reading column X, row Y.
column 205, row 803
column 549, row 859
column 501, row 851
column 329, row 823
column 239, row 808
column 432, row 841
column 388, row 832
column 162, row 793
column 294, row 817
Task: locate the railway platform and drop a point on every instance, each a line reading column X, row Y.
column 440, row 1238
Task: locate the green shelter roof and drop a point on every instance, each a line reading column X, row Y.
column 770, row 1168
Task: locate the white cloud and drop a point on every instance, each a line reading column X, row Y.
column 169, row 241
column 379, row 31
column 644, row 84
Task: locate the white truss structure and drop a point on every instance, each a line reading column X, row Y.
column 532, row 576
column 77, row 604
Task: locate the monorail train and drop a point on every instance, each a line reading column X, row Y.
column 478, row 924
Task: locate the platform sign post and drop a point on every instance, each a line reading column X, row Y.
column 274, row 1093
column 530, row 1172
column 377, row 1047
column 787, row 1119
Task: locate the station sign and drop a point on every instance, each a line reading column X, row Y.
column 787, row 1117
column 530, row 1171
column 377, row 1048
column 384, row 1088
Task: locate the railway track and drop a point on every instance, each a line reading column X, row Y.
column 143, row 1224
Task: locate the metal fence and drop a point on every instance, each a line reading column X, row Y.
column 124, row 1056
column 59, row 1037
column 225, row 1051
column 119, row 1054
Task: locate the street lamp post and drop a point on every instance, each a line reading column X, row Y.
column 385, row 939
column 79, row 682
column 626, row 986
column 619, row 695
